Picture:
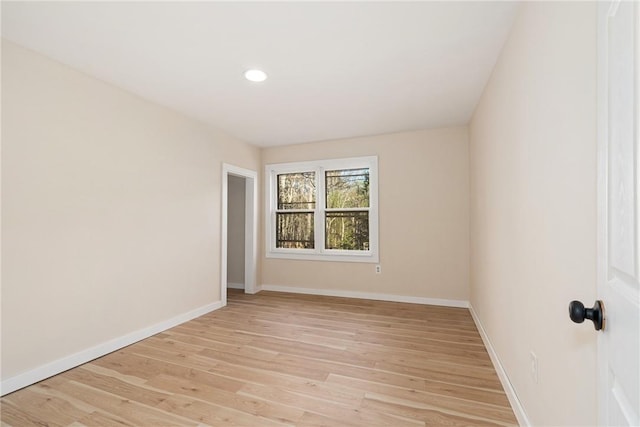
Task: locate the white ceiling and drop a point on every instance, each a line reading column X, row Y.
column 336, row 69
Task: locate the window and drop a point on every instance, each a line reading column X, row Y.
column 323, row 210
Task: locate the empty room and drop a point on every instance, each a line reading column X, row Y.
column 320, row 213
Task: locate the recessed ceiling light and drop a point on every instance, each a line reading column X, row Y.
column 255, row 75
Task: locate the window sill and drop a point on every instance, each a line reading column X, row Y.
column 331, row 257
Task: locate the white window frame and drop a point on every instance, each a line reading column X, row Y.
column 320, row 253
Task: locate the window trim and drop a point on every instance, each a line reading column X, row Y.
column 320, row 253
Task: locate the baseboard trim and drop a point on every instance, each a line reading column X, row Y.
column 255, row 290
column 516, row 405
column 53, row 368
column 232, row 285
column 367, row 295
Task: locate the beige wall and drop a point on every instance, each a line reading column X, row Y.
column 424, row 221
column 110, row 211
column 235, row 227
column 533, row 208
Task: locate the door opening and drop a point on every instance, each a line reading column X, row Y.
column 238, row 230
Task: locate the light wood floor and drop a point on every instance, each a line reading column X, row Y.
column 277, row 359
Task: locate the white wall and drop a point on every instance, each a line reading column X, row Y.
column 533, row 208
column 110, row 211
column 423, row 216
column 235, row 233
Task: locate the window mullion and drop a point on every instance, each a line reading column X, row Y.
column 273, row 207
column 320, row 207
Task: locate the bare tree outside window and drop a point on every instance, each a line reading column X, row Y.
column 296, row 205
column 347, row 213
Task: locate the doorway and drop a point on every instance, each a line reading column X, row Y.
column 238, row 230
column 236, row 205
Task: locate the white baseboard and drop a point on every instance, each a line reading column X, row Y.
column 367, row 295
column 45, row 371
column 257, row 289
column 233, row 285
column 516, row 405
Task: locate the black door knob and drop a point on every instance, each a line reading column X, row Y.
column 578, row 313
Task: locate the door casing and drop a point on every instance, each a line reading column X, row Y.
column 250, row 228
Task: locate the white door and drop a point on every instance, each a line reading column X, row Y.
column 619, row 209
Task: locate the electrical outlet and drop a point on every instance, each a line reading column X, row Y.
column 378, row 269
column 533, row 368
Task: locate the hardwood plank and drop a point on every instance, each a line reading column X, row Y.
column 117, row 386
column 159, row 362
column 447, row 373
column 129, row 410
column 313, row 404
column 310, row 371
column 418, row 399
column 16, row 416
column 310, row 419
column 315, row 420
column 53, row 410
column 98, row 419
column 318, row 389
column 213, row 414
column 430, row 417
column 276, row 413
column 206, row 342
column 409, row 357
column 472, row 413
column 276, row 359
